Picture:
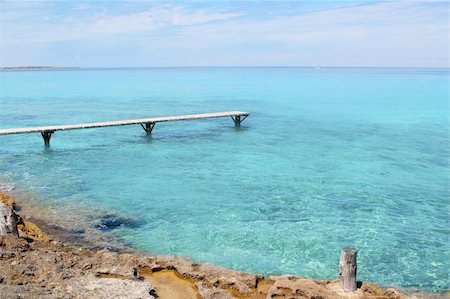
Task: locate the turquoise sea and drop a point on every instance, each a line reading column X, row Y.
column 328, row 158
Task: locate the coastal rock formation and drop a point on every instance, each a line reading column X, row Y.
column 210, row 275
column 28, row 229
column 8, row 217
column 35, row 266
column 48, row 269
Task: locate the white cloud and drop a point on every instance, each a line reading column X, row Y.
column 399, row 19
column 154, row 18
column 103, row 25
column 82, row 6
column 388, row 33
column 200, row 17
column 383, row 33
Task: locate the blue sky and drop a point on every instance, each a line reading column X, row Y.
column 224, row 33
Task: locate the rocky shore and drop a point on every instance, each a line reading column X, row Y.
column 36, row 265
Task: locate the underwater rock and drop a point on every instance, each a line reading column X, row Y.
column 112, row 221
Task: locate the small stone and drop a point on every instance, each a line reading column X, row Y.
column 26, row 270
column 213, row 293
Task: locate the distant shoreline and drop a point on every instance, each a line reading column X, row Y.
column 36, row 67
column 212, row 67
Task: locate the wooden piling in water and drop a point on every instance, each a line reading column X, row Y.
column 47, row 135
column 238, row 119
column 347, row 269
column 148, row 128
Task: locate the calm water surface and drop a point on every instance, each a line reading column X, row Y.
column 328, row 158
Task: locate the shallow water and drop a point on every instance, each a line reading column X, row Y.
column 328, row 158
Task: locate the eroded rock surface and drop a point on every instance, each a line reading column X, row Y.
column 8, row 217
column 35, row 266
column 49, row 269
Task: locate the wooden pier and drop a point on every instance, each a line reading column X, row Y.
column 146, row 123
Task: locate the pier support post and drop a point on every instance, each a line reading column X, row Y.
column 47, row 135
column 238, row 119
column 148, row 127
column 347, row 269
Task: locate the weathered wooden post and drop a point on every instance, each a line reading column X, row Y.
column 8, row 217
column 347, row 269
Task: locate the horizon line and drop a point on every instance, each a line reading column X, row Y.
column 55, row 67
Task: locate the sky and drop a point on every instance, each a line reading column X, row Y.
column 141, row 33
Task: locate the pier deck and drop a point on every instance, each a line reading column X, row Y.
column 146, row 123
